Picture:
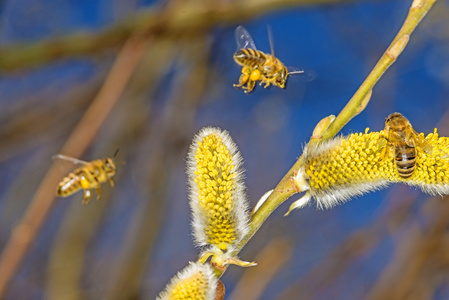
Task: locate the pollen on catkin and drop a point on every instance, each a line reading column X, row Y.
column 432, row 167
column 337, row 170
column 217, row 194
column 194, row 282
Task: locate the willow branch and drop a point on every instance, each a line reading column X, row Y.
column 285, row 189
column 26, row 231
column 179, row 19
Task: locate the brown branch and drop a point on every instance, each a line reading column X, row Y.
column 179, row 19
column 26, row 231
column 169, row 145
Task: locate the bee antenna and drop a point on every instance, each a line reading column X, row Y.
column 270, row 39
column 116, row 152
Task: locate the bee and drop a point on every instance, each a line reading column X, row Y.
column 405, row 143
column 87, row 177
column 260, row 66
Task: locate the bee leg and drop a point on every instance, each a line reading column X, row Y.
column 270, row 80
column 98, row 193
column 382, row 154
column 250, row 86
column 266, row 82
column 111, row 181
column 87, row 196
column 242, row 80
column 244, row 77
column 246, row 71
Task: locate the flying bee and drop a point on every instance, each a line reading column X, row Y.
column 405, row 142
column 260, row 66
column 87, row 177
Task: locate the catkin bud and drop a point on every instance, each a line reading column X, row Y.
column 194, row 282
column 217, row 196
column 337, row 170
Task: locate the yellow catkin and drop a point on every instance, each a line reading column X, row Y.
column 195, row 282
column 194, row 287
column 217, row 197
column 355, row 159
column 339, row 169
column 215, row 179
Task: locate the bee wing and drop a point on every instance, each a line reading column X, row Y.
column 270, row 39
column 426, row 147
column 303, row 74
column 73, row 160
column 243, row 38
column 421, row 142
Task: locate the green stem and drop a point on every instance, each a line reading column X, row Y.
column 284, row 190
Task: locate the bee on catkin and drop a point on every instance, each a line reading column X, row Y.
column 260, row 66
column 87, row 177
column 334, row 171
column 217, row 196
column 404, row 142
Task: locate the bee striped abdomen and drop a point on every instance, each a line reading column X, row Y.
column 69, row 185
column 405, row 160
column 250, row 58
column 74, row 181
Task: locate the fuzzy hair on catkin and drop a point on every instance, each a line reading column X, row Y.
column 337, row 170
column 325, row 156
column 187, row 280
column 236, row 215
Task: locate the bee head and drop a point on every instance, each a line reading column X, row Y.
column 397, row 121
column 281, row 77
column 109, row 165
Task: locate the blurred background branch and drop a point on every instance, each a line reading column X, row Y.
column 175, row 19
column 270, row 260
column 25, row 232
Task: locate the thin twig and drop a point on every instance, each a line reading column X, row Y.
column 26, row 231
